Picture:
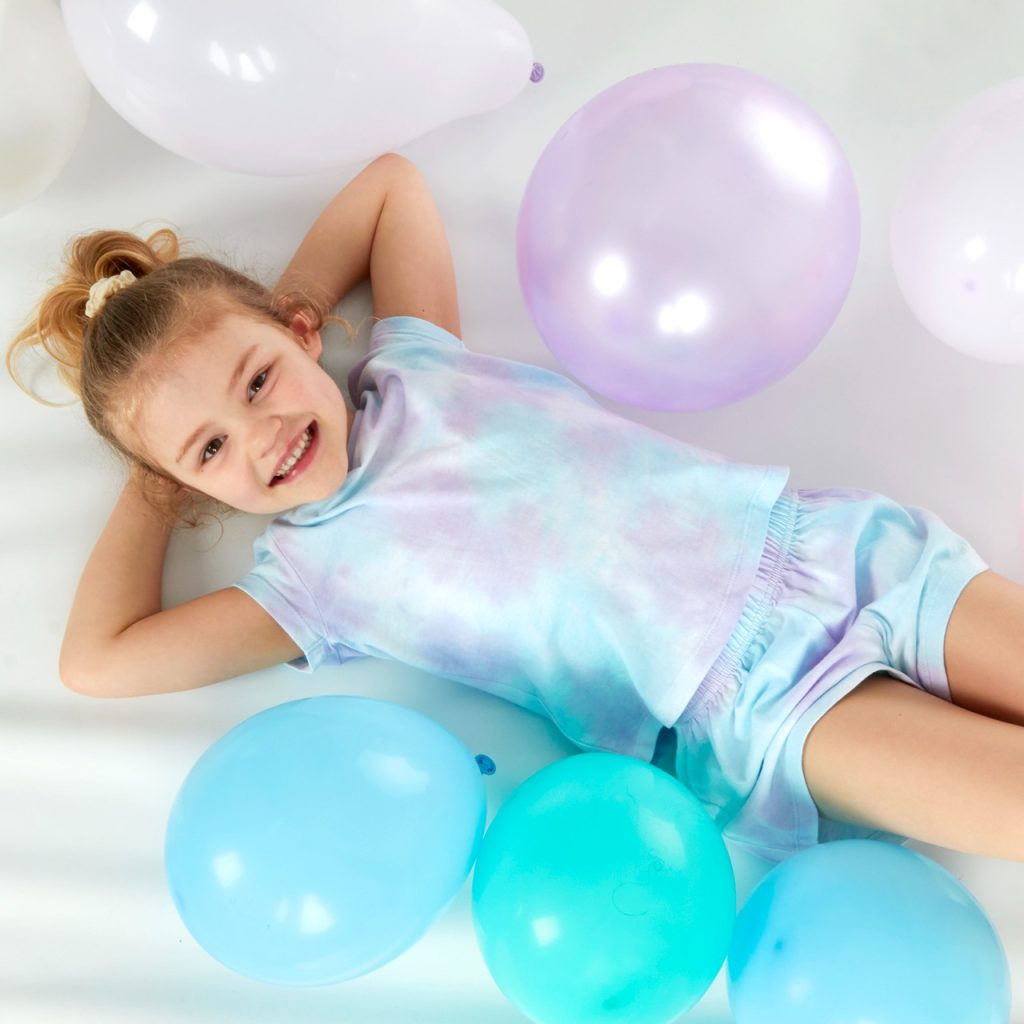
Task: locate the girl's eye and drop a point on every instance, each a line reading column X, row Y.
column 217, row 441
column 203, row 458
column 262, row 375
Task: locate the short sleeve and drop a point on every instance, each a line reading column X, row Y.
column 404, row 329
column 271, row 583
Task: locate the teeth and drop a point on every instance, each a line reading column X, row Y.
column 296, row 454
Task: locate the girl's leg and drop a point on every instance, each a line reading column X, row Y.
column 984, row 648
column 893, row 757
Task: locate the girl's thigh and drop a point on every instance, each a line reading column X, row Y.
column 893, row 757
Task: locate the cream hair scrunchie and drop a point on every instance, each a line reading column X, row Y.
column 103, row 289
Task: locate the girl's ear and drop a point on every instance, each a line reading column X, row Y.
column 300, row 324
column 311, row 340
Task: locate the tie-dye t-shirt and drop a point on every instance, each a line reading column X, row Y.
column 499, row 527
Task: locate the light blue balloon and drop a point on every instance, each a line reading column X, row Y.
column 321, row 838
column 603, row 892
column 859, row 930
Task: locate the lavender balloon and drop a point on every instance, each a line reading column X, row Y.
column 688, row 237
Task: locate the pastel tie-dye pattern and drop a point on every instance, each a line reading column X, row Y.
column 501, row 528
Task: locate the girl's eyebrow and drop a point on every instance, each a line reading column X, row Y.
column 232, row 384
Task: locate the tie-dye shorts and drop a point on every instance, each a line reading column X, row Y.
column 850, row 583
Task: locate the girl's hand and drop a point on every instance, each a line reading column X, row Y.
column 168, row 495
column 140, row 476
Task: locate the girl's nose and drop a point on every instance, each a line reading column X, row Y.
column 268, row 437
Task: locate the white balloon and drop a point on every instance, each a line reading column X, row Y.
column 274, row 88
column 44, row 100
column 957, row 232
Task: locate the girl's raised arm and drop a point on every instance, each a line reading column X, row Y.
column 411, row 269
column 118, row 642
column 384, row 223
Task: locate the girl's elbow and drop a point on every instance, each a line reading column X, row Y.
column 87, row 683
column 69, row 673
column 77, row 682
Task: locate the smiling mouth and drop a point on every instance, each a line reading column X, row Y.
column 304, row 459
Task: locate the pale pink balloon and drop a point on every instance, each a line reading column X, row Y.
column 957, row 233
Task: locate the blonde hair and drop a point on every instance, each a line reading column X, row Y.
column 110, row 360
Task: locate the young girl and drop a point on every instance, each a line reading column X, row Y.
column 824, row 663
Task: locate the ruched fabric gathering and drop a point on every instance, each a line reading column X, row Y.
column 763, row 597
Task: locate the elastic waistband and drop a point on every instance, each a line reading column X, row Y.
column 764, row 592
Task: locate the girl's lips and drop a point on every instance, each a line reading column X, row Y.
column 307, row 457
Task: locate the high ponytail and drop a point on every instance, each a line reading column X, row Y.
column 102, row 359
column 60, row 326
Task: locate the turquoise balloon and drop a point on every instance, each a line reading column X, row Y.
column 321, row 838
column 603, row 891
column 860, row 930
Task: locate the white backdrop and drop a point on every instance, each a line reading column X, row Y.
column 87, row 928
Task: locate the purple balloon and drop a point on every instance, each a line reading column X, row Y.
column 687, row 237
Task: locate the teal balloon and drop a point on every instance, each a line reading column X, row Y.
column 321, row 838
column 603, row 891
column 860, row 930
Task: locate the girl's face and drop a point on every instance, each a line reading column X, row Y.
column 232, row 407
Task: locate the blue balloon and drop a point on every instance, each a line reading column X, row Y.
column 603, row 892
column 860, row 930
column 321, row 838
